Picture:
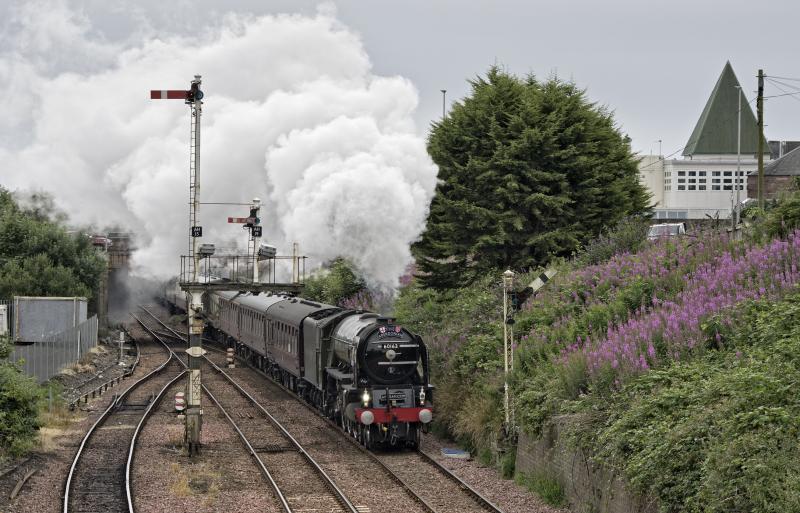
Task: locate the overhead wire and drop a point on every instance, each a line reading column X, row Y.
column 778, row 85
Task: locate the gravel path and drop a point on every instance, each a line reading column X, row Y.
column 504, row 493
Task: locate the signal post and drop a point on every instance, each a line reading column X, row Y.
column 192, row 281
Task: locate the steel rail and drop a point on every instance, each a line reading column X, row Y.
column 477, row 496
column 341, row 497
column 278, row 493
column 134, row 439
column 102, row 387
column 115, row 402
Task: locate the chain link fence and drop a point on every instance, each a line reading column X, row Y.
column 45, row 359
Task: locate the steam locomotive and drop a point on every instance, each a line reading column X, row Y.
column 364, row 371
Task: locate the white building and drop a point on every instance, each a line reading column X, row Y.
column 703, row 182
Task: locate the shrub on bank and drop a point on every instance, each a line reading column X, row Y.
column 718, row 433
column 19, row 406
column 696, row 383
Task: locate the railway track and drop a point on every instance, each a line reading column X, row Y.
column 297, row 480
column 97, row 477
column 416, row 475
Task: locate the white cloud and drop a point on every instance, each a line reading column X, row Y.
column 293, row 114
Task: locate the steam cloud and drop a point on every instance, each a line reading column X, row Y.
column 293, row 114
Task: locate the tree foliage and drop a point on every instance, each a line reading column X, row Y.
column 528, row 171
column 334, row 284
column 39, row 257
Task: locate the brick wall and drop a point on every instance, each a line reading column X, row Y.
column 774, row 186
column 589, row 487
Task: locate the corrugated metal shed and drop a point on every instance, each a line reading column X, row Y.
column 37, row 318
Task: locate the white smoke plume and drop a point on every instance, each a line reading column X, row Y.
column 292, row 114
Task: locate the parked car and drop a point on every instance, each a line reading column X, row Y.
column 666, row 230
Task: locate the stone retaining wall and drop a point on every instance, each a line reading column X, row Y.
column 588, row 487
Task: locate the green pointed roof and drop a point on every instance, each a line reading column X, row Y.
column 715, row 132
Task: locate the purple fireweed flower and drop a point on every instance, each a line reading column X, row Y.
column 715, row 282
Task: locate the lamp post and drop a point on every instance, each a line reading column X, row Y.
column 508, row 283
column 444, row 95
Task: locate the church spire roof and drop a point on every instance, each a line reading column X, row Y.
column 715, row 132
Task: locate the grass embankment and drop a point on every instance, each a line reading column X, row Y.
column 671, row 358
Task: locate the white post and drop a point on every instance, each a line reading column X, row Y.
column 508, row 281
column 121, row 343
column 738, row 155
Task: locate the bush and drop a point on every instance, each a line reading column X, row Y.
column 19, row 407
column 783, row 219
column 334, row 284
column 629, row 235
column 717, row 433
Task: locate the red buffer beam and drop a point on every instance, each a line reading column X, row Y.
column 172, row 94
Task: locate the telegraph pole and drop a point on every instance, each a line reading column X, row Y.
column 760, row 111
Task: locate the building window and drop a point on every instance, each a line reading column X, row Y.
column 728, row 173
column 728, row 180
column 681, row 180
column 701, row 187
column 681, row 187
column 716, row 180
column 681, row 173
column 692, row 173
column 701, row 173
column 692, row 187
column 667, row 188
column 715, row 187
column 727, row 188
column 715, row 173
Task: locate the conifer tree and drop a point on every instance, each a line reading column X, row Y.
column 528, row 171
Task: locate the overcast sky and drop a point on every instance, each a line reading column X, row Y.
column 653, row 63
column 322, row 108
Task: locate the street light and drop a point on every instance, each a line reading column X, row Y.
column 508, row 284
column 444, row 94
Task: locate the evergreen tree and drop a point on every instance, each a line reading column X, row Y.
column 39, row 258
column 528, row 171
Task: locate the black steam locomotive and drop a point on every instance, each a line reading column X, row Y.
column 363, row 370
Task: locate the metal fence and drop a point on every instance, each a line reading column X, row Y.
column 47, row 358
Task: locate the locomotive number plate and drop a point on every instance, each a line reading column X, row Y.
column 390, row 346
